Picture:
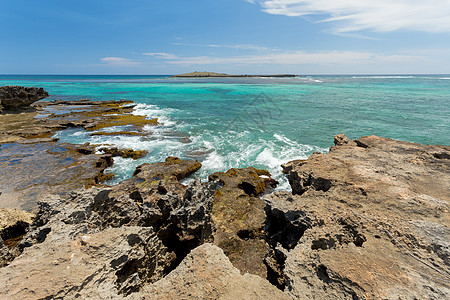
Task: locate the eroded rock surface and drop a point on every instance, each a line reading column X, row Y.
column 369, row 220
column 110, row 242
column 206, row 273
column 33, row 164
column 239, row 217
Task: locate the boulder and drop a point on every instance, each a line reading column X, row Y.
column 14, row 97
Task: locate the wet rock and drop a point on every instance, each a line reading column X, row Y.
column 51, row 116
column 239, row 217
column 368, row 220
column 15, row 97
column 125, row 153
column 30, row 171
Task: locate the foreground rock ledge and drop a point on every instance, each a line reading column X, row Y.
column 369, row 220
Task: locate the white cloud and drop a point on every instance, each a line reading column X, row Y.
column 374, row 15
column 119, row 61
column 238, row 46
column 161, row 55
column 295, row 58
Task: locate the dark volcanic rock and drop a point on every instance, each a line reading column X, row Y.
column 14, row 97
column 369, row 220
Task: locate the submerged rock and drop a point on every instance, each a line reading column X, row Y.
column 33, row 170
column 15, row 97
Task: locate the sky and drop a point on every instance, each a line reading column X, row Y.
column 145, row 37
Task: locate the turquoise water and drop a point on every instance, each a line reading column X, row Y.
column 261, row 122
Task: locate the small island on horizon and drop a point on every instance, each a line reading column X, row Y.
column 213, row 75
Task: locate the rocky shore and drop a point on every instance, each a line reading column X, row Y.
column 368, row 220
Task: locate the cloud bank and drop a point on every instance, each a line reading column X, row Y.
column 347, row 16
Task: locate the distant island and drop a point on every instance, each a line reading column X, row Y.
column 213, row 74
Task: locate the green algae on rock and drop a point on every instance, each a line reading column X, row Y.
column 239, row 216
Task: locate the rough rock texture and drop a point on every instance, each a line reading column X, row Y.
column 110, row 242
column 206, row 273
column 13, row 225
column 14, row 97
column 239, row 217
column 369, row 220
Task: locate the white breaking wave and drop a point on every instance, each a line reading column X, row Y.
column 384, row 77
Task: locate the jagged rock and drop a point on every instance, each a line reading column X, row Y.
column 239, row 217
column 369, row 220
column 206, row 273
column 14, row 97
column 340, row 140
column 110, row 242
column 125, row 153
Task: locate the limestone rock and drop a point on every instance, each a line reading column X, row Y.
column 368, row 220
column 13, row 97
column 206, row 273
column 13, row 222
column 239, row 217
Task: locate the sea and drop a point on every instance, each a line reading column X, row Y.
column 261, row 122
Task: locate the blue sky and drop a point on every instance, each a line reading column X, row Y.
column 233, row 36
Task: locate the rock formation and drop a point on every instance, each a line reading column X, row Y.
column 369, row 220
column 239, row 217
column 14, row 97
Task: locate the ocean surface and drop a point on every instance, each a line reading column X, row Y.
column 260, row 122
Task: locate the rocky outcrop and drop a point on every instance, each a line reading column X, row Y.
column 33, row 164
column 108, row 242
column 14, row 97
column 33, row 170
column 368, row 220
column 239, row 217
